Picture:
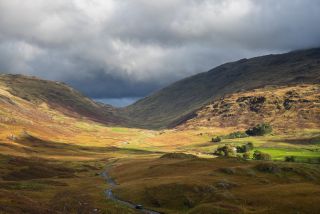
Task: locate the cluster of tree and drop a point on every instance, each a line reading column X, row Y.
column 226, row 151
column 243, row 151
column 259, row 130
column 232, row 135
column 229, row 150
column 237, row 134
column 216, row 139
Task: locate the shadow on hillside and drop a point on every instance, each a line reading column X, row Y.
column 35, row 143
column 310, row 140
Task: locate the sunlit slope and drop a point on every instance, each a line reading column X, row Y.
column 165, row 107
column 283, row 107
column 51, row 162
column 51, row 157
column 57, row 96
column 219, row 185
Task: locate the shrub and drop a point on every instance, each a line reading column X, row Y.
column 268, row 167
column 290, row 159
column 241, row 149
column 245, row 148
column 259, row 130
column 227, row 170
column 239, row 156
column 237, row 134
column 178, row 156
column 226, row 150
column 313, row 160
column 216, row 139
column 250, row 145
column 246, row 156
column 257, row 155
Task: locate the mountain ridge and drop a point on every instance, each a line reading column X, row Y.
column 179, row 102
column 163, row 108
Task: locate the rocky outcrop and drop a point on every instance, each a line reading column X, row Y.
column 284, row 107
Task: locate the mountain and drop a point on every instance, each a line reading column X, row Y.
column 183, row 103
column 34, row 92
column 178, row 102
column 285, row 107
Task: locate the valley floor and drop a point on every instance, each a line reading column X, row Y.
column 58, row 170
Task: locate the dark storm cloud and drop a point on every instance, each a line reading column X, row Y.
column 114, row 49
column 102, row 85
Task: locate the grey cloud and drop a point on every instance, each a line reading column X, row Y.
column 102, row 85
column 114, row 49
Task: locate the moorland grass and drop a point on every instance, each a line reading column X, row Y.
column 190, row 185
column 64, row 156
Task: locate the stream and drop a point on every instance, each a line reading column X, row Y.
column 110, row 195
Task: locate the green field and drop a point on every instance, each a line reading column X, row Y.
column 302, row 155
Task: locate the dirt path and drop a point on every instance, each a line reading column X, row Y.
column 110, row 195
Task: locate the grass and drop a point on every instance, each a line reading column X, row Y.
column 119, row 130
column 199, row 185
column 302, row 155
column 55, row 161
column 75, row 187
column 68, row 169
column 31, row 186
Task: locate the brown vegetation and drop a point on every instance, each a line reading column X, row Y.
column 290, row 107
column 202, row 186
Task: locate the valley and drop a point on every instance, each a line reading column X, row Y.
column 61, row 152
column 65, row 176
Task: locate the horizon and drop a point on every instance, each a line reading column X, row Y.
column 116, row 51
column 127, row 101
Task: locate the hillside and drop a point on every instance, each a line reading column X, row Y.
column 64, row 153
column 284, row 107
column 57, row 96
column 166, row 107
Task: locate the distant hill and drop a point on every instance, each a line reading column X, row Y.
column 177, row 102
column 57, row 96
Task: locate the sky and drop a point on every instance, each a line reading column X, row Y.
column 117, row 51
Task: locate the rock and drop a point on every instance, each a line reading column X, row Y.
column 225, row 185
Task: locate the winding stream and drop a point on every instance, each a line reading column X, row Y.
column 109, row 194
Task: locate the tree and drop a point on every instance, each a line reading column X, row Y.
column 245, row 148
column 250, row 146
column 259, row 130
column 290, row 158
column 226, row 150
column 216, row 139
column 237, row 134
column 257, row 155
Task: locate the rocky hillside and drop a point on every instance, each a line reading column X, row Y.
column 55, row 95
column 173, row 104
column 285, row 107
